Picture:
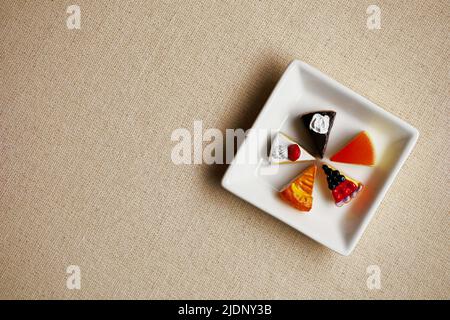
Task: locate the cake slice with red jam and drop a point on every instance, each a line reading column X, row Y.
column 343, row 188
column 285, row 150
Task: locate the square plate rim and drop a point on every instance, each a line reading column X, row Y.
column 411, row 142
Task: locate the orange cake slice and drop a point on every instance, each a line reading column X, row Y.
column 298, row 193
column 358, row 151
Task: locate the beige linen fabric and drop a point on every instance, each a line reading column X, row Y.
column 86, row 176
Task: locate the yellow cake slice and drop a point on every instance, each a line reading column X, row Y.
column 298, row 193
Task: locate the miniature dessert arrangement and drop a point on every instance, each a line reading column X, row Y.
column 319, row 125
column 332, row 205
column 286, row 150
column 343, row 188
column 358, row 151
column 298, row 193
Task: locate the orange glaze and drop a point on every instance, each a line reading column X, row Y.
column 358, row 151
column 299, row 192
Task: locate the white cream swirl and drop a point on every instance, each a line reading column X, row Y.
column 320, row 123
column 280, row 152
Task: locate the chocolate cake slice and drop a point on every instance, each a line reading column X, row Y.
column 319, row 124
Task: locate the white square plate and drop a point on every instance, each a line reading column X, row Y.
column 303, row 89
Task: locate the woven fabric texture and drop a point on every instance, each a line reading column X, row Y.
column 86, row 176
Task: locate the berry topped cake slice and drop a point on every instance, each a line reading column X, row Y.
column 358, row 151
column 342, row 187
column 286, row 150
column 319, row 126
column 298, row 193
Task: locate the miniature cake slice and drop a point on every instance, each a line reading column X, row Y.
column 319, row 125
column 298, row 193
column 286, row 150
column 343, row 188
column 358, row 151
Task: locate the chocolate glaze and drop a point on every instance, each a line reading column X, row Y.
column 320, row 140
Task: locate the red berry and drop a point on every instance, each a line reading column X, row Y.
column 351, row 187
column 337, row 195
column 293, row 152
column 344, row 190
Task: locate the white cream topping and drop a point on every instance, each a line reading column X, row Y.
column 279, row 151
column 320, row 123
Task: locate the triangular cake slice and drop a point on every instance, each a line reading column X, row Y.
column 286, row 150
column 298, row 193
column 319, row 124
column 358, row 151
column 343, row 188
